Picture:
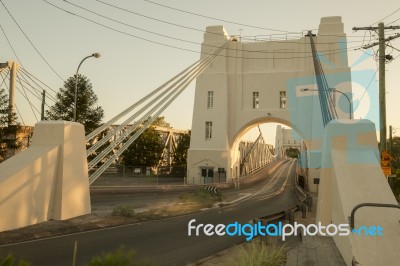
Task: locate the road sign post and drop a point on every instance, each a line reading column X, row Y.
column 385, row 161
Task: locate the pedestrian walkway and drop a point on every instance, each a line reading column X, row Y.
column 315, row 251
column 308, row 251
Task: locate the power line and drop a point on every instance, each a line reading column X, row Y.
column 173, row 46
column 387, row 16
column 9, row 43
column 362, row 96
column 37, row 79
column 218, row 19
column 37, row 91
column 170, row 37
column 154, row 19
column 26, row 36
column 393, row 21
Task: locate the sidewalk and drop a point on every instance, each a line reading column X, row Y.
column 312, row 251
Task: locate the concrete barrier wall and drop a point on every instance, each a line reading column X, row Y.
column 351, row 174
column 47, row 181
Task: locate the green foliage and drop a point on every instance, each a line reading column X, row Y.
column 88, row 112
column 10, row 261
column 180, row 154
column 8, row 129
column 160, row 121
column 120, row 257
column 204, row 197
column 395, row 185
column 124, row 210
column 260, row 254
column 293, row 152
column 395, row 153
column 146, row 150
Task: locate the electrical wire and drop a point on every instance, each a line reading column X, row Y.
column 172, row 46
column 37, row 79
column 387, row 16
column 393, row 21
column 24, row 76
column 154, row 19
column 9, row 43
column 362, row 96
column 170, row 37
column 191, row 28
column 213, row 18
column 26, row 36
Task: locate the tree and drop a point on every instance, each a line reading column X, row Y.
column 180, row 155
column 88, row 112
column 8, row 129
column 146, row 150
column 395, row 152
column 293, row 152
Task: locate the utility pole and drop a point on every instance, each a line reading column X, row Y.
column 382, row 90
column 43, row 103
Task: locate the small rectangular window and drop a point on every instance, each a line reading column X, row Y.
column 210, row 99
column 256, row 99
column 282, row 100
column 208, row 130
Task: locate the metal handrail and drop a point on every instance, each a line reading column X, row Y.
column 381, row 205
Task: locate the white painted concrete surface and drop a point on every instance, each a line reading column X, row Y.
column 47, row 181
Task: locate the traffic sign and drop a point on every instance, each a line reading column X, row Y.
column 386, row 170
column 385, row 158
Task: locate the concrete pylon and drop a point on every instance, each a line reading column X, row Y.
column 47, row 181
column 351, row 174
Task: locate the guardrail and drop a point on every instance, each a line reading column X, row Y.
column 380, row 205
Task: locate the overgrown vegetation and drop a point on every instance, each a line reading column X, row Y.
column 120, row 257
column 201, row 196
column 395, row 185
column 9, row 127
column 260, row 254
column 123, row 210
column 11, row 261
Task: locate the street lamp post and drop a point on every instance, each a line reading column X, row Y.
column 335, row 90
column 96, row 55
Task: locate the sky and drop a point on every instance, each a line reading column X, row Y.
column 130, row 67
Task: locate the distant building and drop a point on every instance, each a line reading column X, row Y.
column 286, row 138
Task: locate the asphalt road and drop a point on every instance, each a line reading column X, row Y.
column 166, row 241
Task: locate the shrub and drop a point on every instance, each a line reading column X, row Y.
column 10, row 261
column 120, row 257
column 124, row 210
column 257, row 254
column 204, row 197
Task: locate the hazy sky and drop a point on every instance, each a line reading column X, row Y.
column 130, row 67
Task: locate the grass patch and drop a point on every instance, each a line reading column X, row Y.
column 120, row 257
column 10, row 261
column 260, row 254
column 123, row 210
column 203, row 197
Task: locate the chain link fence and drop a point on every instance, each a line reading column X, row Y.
column 123, row 175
